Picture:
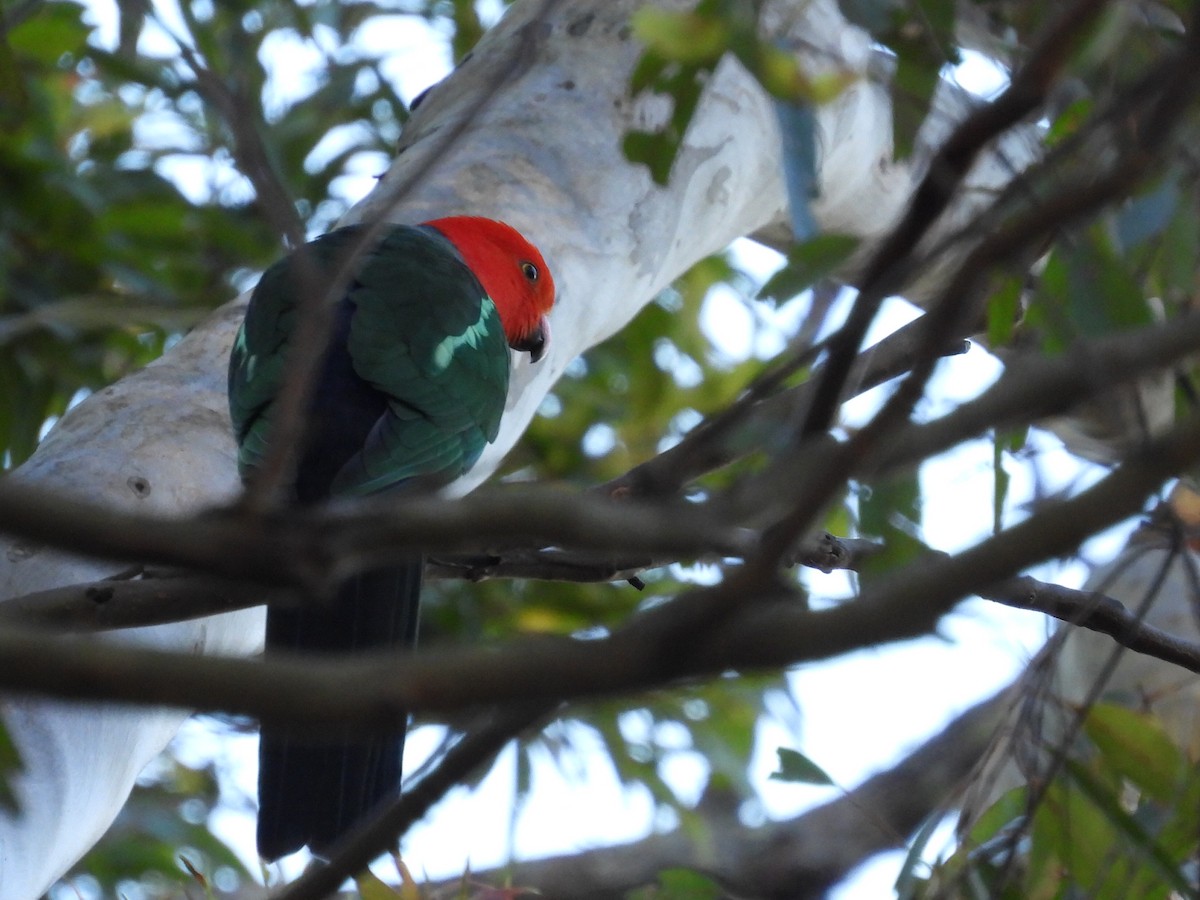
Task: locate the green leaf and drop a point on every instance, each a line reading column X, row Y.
column 683, row 84
column 689, row 37
column 468, row 29
column 683, row 884
column 924, row 43
column 655, row 150
column 370, row 887
column 907, row 881
column 1000, row 482
column 891, row 510
column 1011, row 806
column 1102, row 294
column 1173, row 276
column 1068, row 122
column 1003, row 312
column 1075, row 832
column 56, row 29
column 807, row 263
column 1135, row 745
column 1146, row 216
column 1086, row 290
column 1100, row 824
column 797, row 768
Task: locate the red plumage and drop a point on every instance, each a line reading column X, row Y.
column 511, row 270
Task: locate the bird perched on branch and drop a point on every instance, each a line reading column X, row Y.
column 410, row 389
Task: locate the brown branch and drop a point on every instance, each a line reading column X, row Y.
column 826, row 552
column 664, row 644
column 158, row 598
column 1028, row 390
column 1097, row 612
column 799, row 857
column 1034, row 388
column 711, row 445
column 543, row 565
column 917, row 595
column 316, row 548
column 1092, row 610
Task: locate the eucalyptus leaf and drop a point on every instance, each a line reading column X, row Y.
column 1135, row 745
column 797, row 768
column 807, row 263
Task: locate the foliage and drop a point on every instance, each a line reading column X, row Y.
column 1119, row 819
column 103, row 255
column 683, row 49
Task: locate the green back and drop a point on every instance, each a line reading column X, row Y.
column 423, row 333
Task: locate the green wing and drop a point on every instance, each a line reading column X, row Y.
column 256, row 365
column 422, row 333
column 425, row 335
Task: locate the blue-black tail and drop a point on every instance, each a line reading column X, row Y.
column 312, row 791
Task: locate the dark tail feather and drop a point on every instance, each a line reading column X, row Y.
column 314, row 791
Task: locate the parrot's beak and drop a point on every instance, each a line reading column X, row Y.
column 536, row 342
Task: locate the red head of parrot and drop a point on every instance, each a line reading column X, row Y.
column 513, row 273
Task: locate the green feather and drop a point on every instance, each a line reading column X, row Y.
column 423, row 333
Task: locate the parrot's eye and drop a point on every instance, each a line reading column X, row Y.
column 529, row 270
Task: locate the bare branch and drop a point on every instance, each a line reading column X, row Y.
column 1025, row 94
column 799, row 857
column 699, row 634
column 1097, row 612
column 716, row 443
column 1033, row 388
column 314, row 549
column 155, row 598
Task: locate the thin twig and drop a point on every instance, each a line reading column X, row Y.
column 707, row 448
column 385, row 827
column 950, row 314
column 795, row 857
column 884, row 273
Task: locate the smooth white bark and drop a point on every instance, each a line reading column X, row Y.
column 542, row 153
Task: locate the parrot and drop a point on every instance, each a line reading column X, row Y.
column 411, row 387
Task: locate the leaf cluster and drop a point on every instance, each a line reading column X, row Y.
column 124, row 218
column 1119, row 819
